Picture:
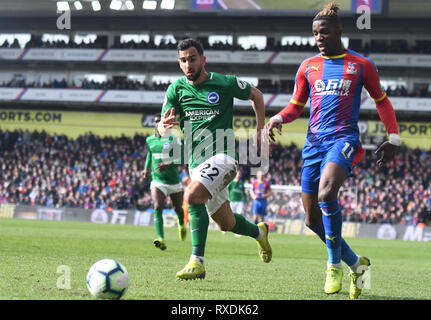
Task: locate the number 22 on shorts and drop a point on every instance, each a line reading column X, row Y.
column 210, row 176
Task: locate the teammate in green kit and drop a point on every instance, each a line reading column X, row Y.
column 237, row 195
column 165, row 182
column 203, row 101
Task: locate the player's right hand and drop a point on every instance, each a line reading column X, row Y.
column 167, row 122
column 144, row 173
column 270, row 126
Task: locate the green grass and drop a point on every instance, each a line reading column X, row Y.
column 31, row 252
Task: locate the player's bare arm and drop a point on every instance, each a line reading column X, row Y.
column 258, row 105
column 267, row 195
column 144, row 173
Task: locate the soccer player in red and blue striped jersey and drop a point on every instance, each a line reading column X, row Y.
column 333, row 80
column 260, row 192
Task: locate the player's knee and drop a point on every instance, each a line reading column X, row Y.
column 196, row 194
column 327, row 193
column 192, row 197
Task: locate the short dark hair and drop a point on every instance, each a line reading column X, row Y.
column 189, row 43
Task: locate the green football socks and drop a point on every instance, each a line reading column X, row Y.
column 158, row 223
column 199, row 222
column 180, row 216
column 245, row 227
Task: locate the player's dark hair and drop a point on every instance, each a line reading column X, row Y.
column 189, row 43
column 330, row 14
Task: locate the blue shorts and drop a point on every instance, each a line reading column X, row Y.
column 344, row 152
column 259, row 207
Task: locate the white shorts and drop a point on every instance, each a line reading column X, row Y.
column 215, row 174
column 167, row 189
column 237, row 207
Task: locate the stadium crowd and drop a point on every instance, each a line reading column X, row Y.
column 101, row 42
column 94, row 172
column 399, row 192
column 121, row 83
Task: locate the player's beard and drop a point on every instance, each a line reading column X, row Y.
column 195, row 76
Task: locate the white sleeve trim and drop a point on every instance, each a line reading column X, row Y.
column 394, row 139
column 277, row 117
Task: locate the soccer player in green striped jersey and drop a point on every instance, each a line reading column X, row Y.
column 165, row 182
column 203, row 101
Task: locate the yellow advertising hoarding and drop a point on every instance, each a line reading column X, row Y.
column 73, row 124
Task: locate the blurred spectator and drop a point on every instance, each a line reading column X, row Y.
column 114, row 84
column 104, row 172
column 397, row 193
column 374, row 46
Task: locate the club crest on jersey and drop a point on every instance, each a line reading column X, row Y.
column 319, row 85
column 339, row 87
column 166, row 145
column 213, row 97
column 241, row 84
column 351, row 68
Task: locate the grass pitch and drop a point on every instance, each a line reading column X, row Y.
column 32, row 251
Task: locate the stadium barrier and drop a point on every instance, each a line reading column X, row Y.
column 141, row 97
column 215, row 56
column 145, row 218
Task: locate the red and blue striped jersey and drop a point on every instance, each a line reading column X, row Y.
column 334, row 85
column 260, row 188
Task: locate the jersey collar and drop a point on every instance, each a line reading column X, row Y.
column 335, row 57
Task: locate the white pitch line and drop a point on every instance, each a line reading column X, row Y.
column 254, row 4
column 222, row 4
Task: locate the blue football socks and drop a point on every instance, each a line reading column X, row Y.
column 332, row 222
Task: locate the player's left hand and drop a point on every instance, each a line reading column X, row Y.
column 162, row 166
column 387, row 151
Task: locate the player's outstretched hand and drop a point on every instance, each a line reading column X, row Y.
column 162, row 166
column 167, row 122
column 387, row 151
column 269, row 129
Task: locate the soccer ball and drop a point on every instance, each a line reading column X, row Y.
column 107, row 279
